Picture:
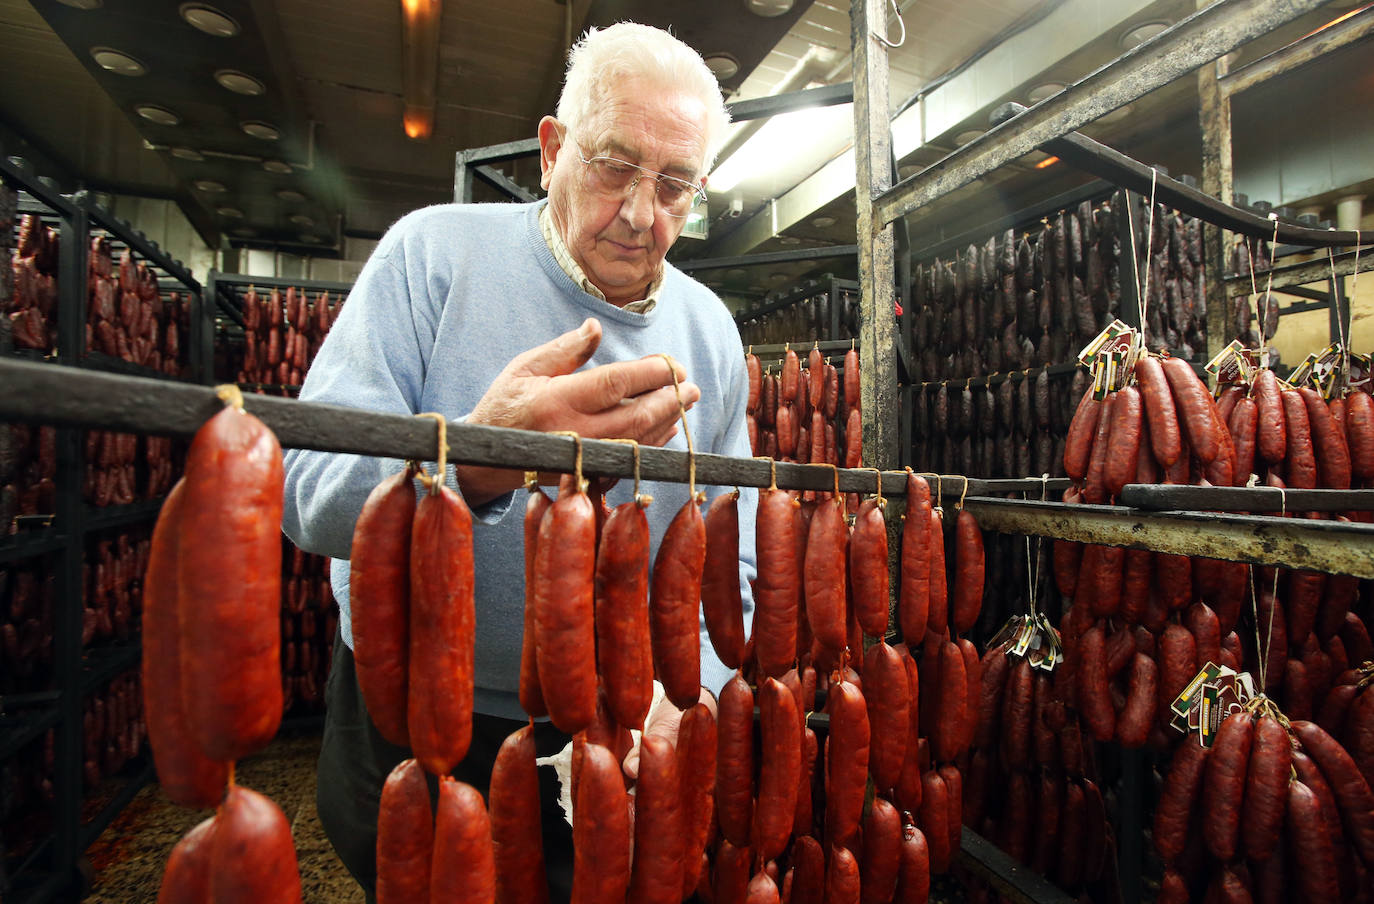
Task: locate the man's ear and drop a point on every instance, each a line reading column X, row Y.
column 550, row 142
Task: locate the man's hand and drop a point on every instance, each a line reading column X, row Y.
column 663, row 721
column 538, row 390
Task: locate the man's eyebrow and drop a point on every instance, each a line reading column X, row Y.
column 630, row 155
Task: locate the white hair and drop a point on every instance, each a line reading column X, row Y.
column 605, row 57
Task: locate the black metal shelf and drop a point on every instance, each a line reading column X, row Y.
column 111, row 364
column 100, row 665
column 97, row 519
column 33, row 543
column 145, row 773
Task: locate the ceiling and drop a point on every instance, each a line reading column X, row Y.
column 341, row 165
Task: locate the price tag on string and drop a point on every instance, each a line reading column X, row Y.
column 1233, row 364
column 1051, row 649
column 1300, row 374
column 1007, row 632
column 1213, row 694
column 1358, row 376
column 1111, row 357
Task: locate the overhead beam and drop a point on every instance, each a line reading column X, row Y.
column 1198, row 39
column 1305, row 273
column 1341, row 33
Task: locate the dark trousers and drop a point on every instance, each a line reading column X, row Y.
column 355, row 761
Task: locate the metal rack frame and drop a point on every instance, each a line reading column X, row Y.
column 76, row 675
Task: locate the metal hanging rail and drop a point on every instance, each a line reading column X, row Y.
column 45, row 393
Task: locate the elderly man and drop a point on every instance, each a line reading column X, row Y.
column 546, row 316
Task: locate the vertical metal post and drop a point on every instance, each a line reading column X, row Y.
column 203, row 330
column 67, row 772
column 1130, row 831
column 878, row 322
column 1214, row 118
column 462, row 179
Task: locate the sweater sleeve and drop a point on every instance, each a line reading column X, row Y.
column 373, row 358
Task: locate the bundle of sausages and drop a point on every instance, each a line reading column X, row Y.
column 113, row 475
column 792, row 416
column 1013, row 428
column 26, row 792
column 28, row 473
column 805, row 321
column 212, row 658
column 1281, row 805
column 112, row 582
column 282, row 334
column 127, row 318
column 26, row 628
column 309, row 617
column 32, row 309
column 112, row 728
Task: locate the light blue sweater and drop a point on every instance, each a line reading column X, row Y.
column 450, row 295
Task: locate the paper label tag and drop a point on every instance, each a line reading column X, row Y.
column 1213, row 694
column 1186, row 700
column 1358, row 376
column 1116, row 337
column 1233, row 364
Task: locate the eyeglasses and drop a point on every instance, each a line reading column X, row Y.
column 612, row 177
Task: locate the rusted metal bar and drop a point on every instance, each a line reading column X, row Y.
column 1313, row 271
column 1341, row 33
column 1244, row 499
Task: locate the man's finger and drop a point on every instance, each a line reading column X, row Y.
column 645, row 416
column 562, row 354
column 602, row 387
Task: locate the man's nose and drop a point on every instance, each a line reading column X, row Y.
column 638, row 207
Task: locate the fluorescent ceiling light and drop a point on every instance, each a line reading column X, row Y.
column 781, row 140
column 722, row 65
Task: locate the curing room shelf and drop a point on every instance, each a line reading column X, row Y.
column 111, row 516
column 134, row 776
column 29, row 544
column 102, row 663
column 19, row 729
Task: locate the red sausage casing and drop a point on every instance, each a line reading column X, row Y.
column 565, row 628
column 674, row 600
column 622, row 615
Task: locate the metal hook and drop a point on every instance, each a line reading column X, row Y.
column 900, row 41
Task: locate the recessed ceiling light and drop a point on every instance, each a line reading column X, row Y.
column 209, row 186
column 117, row 61
column 280, row 167
column 1040, row 92
column 82, row 4
column 188, row 154
column 290, row 194
column 823, row 222
column 789, row 240
column 722, row 65
column 229, row 213
column 240, row 82
column 1143, row 32
column 301, row 219
column 768, row 8
column 155, row 114
column 757, row 289
column 206, row 18
column 777, row 277
column 244, row 232
column 735, row 272
column 265, row 131
column 964, row 138
column 310, row 239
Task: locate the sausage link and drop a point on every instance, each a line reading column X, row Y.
column 252, row 856
column 908, row 790
column 847, row 763
column 1072, row 827
column 186, row 877
column 993, row 680
column 464, row 866
column 791, row 374
column 913, row 880
column 804, row 814
column 531, row 696
column 1195, row 408
column 1271, row 430
column 722, row 605
column 405, row 836
column 1177, row 666
column 762, row 890
column 887, row 696
column 1202, row 623
column 1242, row 425
column 442, row 621
column 824, row 574
column 1359, row 433
column 948, row 732
column 808, row 868
column 1094, row 697
column 730, row 873
column 777, row 590
column 1328, row 442
column 1350, row 789
column 753, row 369
column 933, row 814
column 954, row 804
column 973, row 684
column 868, row 568
column 622, row 615
column 841, row 877
column 1017, row 822
column 656, row 874
column 696, row 772
column 882, row 852
column 1046, row 831
column 231, row 688
column 189, row 777
column 913, row 602
column 1266, row 783
column 735, row 761
column 1016, row 715
column 1120, row 462
column 1159, row 409
column 1095, row 483
column 379, row 595
column 937, row 614
column 1082, row 428
column 1223, row 789
column 674, row 600
column 601, row 831
column 969, row 565
column 516, row 840
column 1300, row 463
column 565, row 628
column 1311, row 847
column 1133, row 725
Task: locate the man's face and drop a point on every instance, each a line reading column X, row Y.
column 619, row 242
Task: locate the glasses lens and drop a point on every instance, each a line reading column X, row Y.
column 675, row 195
column 610, row 176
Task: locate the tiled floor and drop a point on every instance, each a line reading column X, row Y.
column 128, row 858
